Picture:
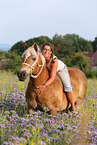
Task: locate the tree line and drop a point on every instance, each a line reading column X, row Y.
column 69, row 48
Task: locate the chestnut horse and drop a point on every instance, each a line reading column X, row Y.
column 53, row 97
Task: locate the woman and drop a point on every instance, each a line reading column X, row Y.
column 55, row 65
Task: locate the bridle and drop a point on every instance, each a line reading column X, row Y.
column 38, row 65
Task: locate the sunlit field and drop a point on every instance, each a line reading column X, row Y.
column 17, row 127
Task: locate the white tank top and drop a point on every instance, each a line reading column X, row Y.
column 61, row 65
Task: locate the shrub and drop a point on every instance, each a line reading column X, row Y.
column 90, row 73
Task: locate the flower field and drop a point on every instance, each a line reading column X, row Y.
column 19, row 128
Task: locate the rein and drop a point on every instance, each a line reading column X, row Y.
column 32, row 68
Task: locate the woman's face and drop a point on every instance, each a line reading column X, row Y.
column 47, row 52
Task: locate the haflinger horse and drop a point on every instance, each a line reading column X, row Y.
column 53, row 97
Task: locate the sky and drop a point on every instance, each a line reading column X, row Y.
column 21, row 20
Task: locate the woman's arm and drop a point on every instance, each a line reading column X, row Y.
column 54, row 66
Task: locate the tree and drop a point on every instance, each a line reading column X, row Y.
column 94, row 44
column 81, row 61
column 13, row 62
column 18, row 48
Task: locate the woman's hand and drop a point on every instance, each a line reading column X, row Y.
column 40, row 89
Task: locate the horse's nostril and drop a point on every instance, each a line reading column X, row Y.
column 23, row 74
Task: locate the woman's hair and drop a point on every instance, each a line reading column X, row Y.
column 51, row 47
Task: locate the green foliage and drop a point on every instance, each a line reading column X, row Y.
column 94, row 44
column 90, row 73
column 77, row 60
column 2, row 55
column 18, row 48
column 81, row 61
column 64, row 45
column 68, row 48
column 12, row 62
column 70, row 43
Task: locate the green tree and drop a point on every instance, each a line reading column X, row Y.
column 81, row 61
column 13, row 62
column 94, row 44
column 18, row 48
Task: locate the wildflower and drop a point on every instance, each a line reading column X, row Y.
column 68, row 141
column 41, row 143
column 23, row 139
column 45, row 109
column 24, row 130
column 49, row 138
column 61, row 127
column 7, row 112
column 57, row 140
column 47, row 120
column 5, row 143
column 43, row 134
column 76, row 130
column 74, row 127
column 52, row 131
column 32, row 121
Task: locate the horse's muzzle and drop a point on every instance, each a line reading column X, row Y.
column 22, row 75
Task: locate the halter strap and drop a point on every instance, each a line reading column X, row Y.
column 32, row 68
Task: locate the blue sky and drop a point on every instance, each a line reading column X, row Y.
column 21, row 20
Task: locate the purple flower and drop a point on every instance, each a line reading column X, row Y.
column 57, row 140
column 76, row 130
column 68, row 141
column 61, row 127
column 43, row 134
column 2, row 125
column 94, row 133
column 26, row 120
column 24, row 130
column 74, row 127
column 49, row 138
column 23, row 139
column 45, row 109
column 47, row 120
column 52, row 131
column 27, row 134
column 41, row 143
column 5, row 143
column 32, row 121
column 15, row 130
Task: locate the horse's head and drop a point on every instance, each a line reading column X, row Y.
column 31, row 63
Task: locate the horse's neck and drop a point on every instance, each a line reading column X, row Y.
column 43, row 77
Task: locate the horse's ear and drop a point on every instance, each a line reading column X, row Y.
column 35, row 47
column 25, row 46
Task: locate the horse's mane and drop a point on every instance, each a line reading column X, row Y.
column 31, row 51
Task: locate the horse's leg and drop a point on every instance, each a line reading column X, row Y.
column 30, row 108
column 81, row 97
column 53, row 111
column 30, row 111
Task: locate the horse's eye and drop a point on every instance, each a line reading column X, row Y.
column 33, row 58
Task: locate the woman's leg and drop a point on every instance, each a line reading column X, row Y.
column 67, row 88
column 70, row 96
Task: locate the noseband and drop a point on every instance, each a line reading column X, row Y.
column 32, row 68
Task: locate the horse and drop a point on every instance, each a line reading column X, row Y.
column 53, row 97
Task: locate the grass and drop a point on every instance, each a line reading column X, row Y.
column 19, row 128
